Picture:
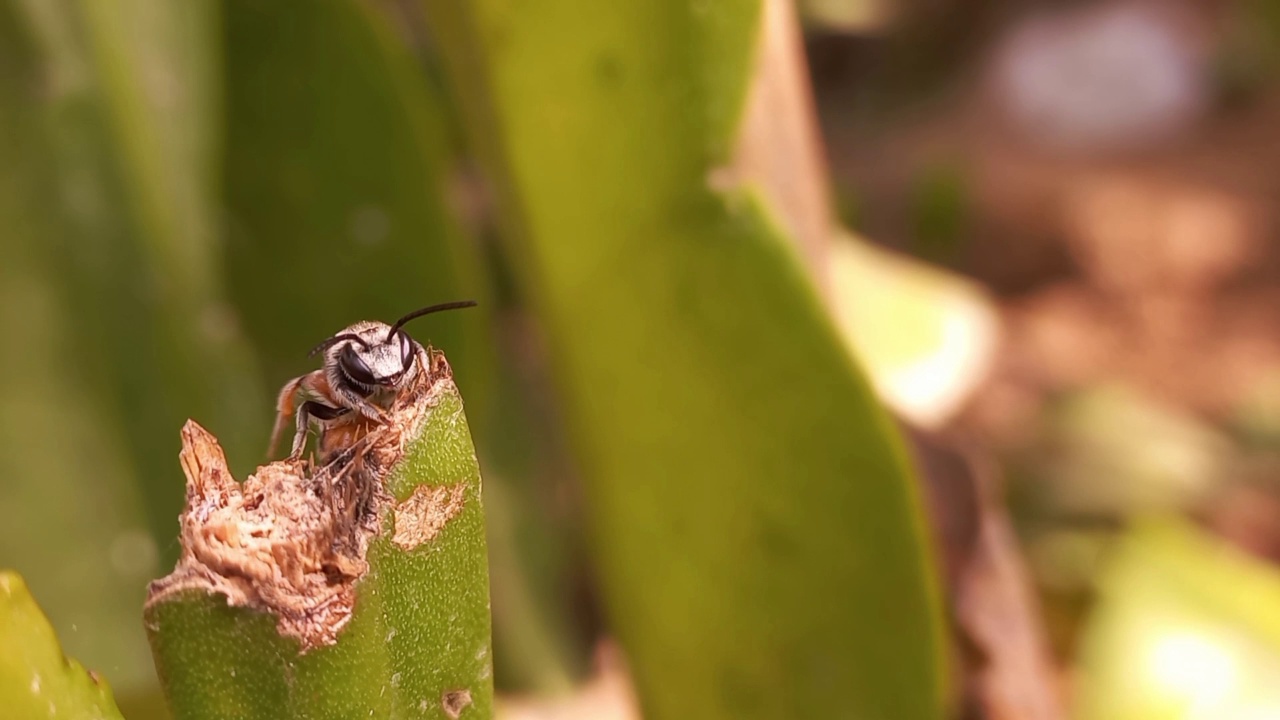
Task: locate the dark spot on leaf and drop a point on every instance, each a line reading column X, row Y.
column 739, row 694
column 608, row 70
column 777, row 539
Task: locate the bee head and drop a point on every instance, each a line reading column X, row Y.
column 370, row 355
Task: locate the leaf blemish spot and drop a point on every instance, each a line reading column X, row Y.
column 424, row 514
column 455, row 701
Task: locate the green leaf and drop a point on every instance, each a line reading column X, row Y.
column 72, row 518
column 36, row 680
column 1186, row 626
column 755, row 524
column 123, row 313
column 417, row 640
column 132, row 114
column 338, row 183
column 926, row 337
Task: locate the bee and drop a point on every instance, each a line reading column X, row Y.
column 366, row 367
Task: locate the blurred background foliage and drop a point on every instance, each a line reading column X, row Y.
column 1060, row 266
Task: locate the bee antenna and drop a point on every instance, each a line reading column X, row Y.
column 337, row 339
column 427, row 311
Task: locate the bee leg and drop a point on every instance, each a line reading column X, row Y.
column 284, row 411
column 306, row 411
column 361, row 404
column 300, row 434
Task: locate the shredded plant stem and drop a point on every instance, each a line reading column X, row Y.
column 292, row 539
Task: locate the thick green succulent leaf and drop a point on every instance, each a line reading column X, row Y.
column 756, row 527
column 36, row 680
column 340, row 196
column 417, row 641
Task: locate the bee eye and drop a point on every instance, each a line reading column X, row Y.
column 354, row 367
column 406, row 350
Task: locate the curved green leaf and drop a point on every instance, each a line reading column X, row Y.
column 36, row 680
column 755, row 524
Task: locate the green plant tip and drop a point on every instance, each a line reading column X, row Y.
column 36, row 680
column 358, row 588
